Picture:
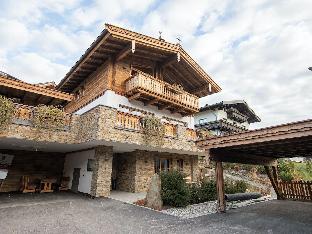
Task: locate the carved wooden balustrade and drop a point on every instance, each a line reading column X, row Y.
column 24, row 115
column 191, row 134
column 142, row 84
column 132, row 122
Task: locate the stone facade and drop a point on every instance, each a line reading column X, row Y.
column 101, row 176
column 99, row 124
column 134, row 170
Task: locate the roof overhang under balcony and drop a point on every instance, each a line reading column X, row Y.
column 143, row 51
column 31, row 94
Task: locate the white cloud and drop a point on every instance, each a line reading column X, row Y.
column 258, row 51
column 32, row 68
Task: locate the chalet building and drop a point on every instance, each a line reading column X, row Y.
column 225, row 117
column 102, row 142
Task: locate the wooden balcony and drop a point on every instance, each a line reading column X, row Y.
column 152, row 91
column 132, row 122
column 24, row 115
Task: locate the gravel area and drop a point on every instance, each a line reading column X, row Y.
column 210, row 207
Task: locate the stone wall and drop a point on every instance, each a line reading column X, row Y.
column 102, row 172
column 108, row 131
column 134, row 170
column 32, row 163
column 125, row 171
column 99, row 124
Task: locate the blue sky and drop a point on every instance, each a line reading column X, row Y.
column 255, row 50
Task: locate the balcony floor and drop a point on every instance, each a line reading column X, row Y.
column 150, row 98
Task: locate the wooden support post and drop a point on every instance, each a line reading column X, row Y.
column 274, row 171
column 220, row 187
column 273, row 180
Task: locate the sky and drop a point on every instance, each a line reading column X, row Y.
column 256, row 50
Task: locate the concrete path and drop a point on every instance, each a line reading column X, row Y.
column 70, row 213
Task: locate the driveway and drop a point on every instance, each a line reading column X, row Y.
column 70, row 213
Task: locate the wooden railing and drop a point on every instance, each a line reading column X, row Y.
column 128, row 121
column 132, row 122
column 170, row 130
column 24, row 115
column 296, row 190
column 162, row 89
column 191, row 134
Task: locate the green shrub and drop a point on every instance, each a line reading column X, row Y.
column 286, row 170
column 195, row 193
column 261, row 170
column 308, row 168
column 232, row 187
column 7, row 111
column 208, row 191
column 174, row 190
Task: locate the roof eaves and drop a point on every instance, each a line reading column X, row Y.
column 91, row 47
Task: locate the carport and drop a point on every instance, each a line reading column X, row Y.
column 261, row 147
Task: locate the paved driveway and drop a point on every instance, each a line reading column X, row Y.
column 69, row 213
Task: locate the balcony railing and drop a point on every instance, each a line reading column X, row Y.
column 24, row 115
column 161, row 91
column 132, row 123
column 191, row 134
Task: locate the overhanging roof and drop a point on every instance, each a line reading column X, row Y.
column 115, row 42
column 240, row 105
column 33, row 94
column 282, row 141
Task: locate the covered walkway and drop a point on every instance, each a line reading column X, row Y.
column 260, row 147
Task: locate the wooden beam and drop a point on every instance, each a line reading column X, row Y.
column 202, row 89
column 220, row 187
column 123, row 53
column 154, row 100
column 243, row 158
column 15, row 84
column 167, row 62
column 166, row 106
column 135, row 96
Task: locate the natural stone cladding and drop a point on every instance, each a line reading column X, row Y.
column 135, row 169
column 98, row 124
column 101, row 176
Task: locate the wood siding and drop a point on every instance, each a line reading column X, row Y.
column 93, row 87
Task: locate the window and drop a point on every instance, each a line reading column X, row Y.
column 162, row 165
column 90, row 164
column 180, row 164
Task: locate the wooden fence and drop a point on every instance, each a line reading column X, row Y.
column 296, row 190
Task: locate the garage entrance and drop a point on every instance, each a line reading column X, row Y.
column 30, row 171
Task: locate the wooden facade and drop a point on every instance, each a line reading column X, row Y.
column 111, row 60
column 31, row 94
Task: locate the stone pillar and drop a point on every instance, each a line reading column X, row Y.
column 144, row 170
column 102, row 172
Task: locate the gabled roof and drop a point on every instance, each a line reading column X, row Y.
column 240, row 105
column 32, row 93
column 116, row 42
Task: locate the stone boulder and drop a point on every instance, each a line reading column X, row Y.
column 153, row 196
